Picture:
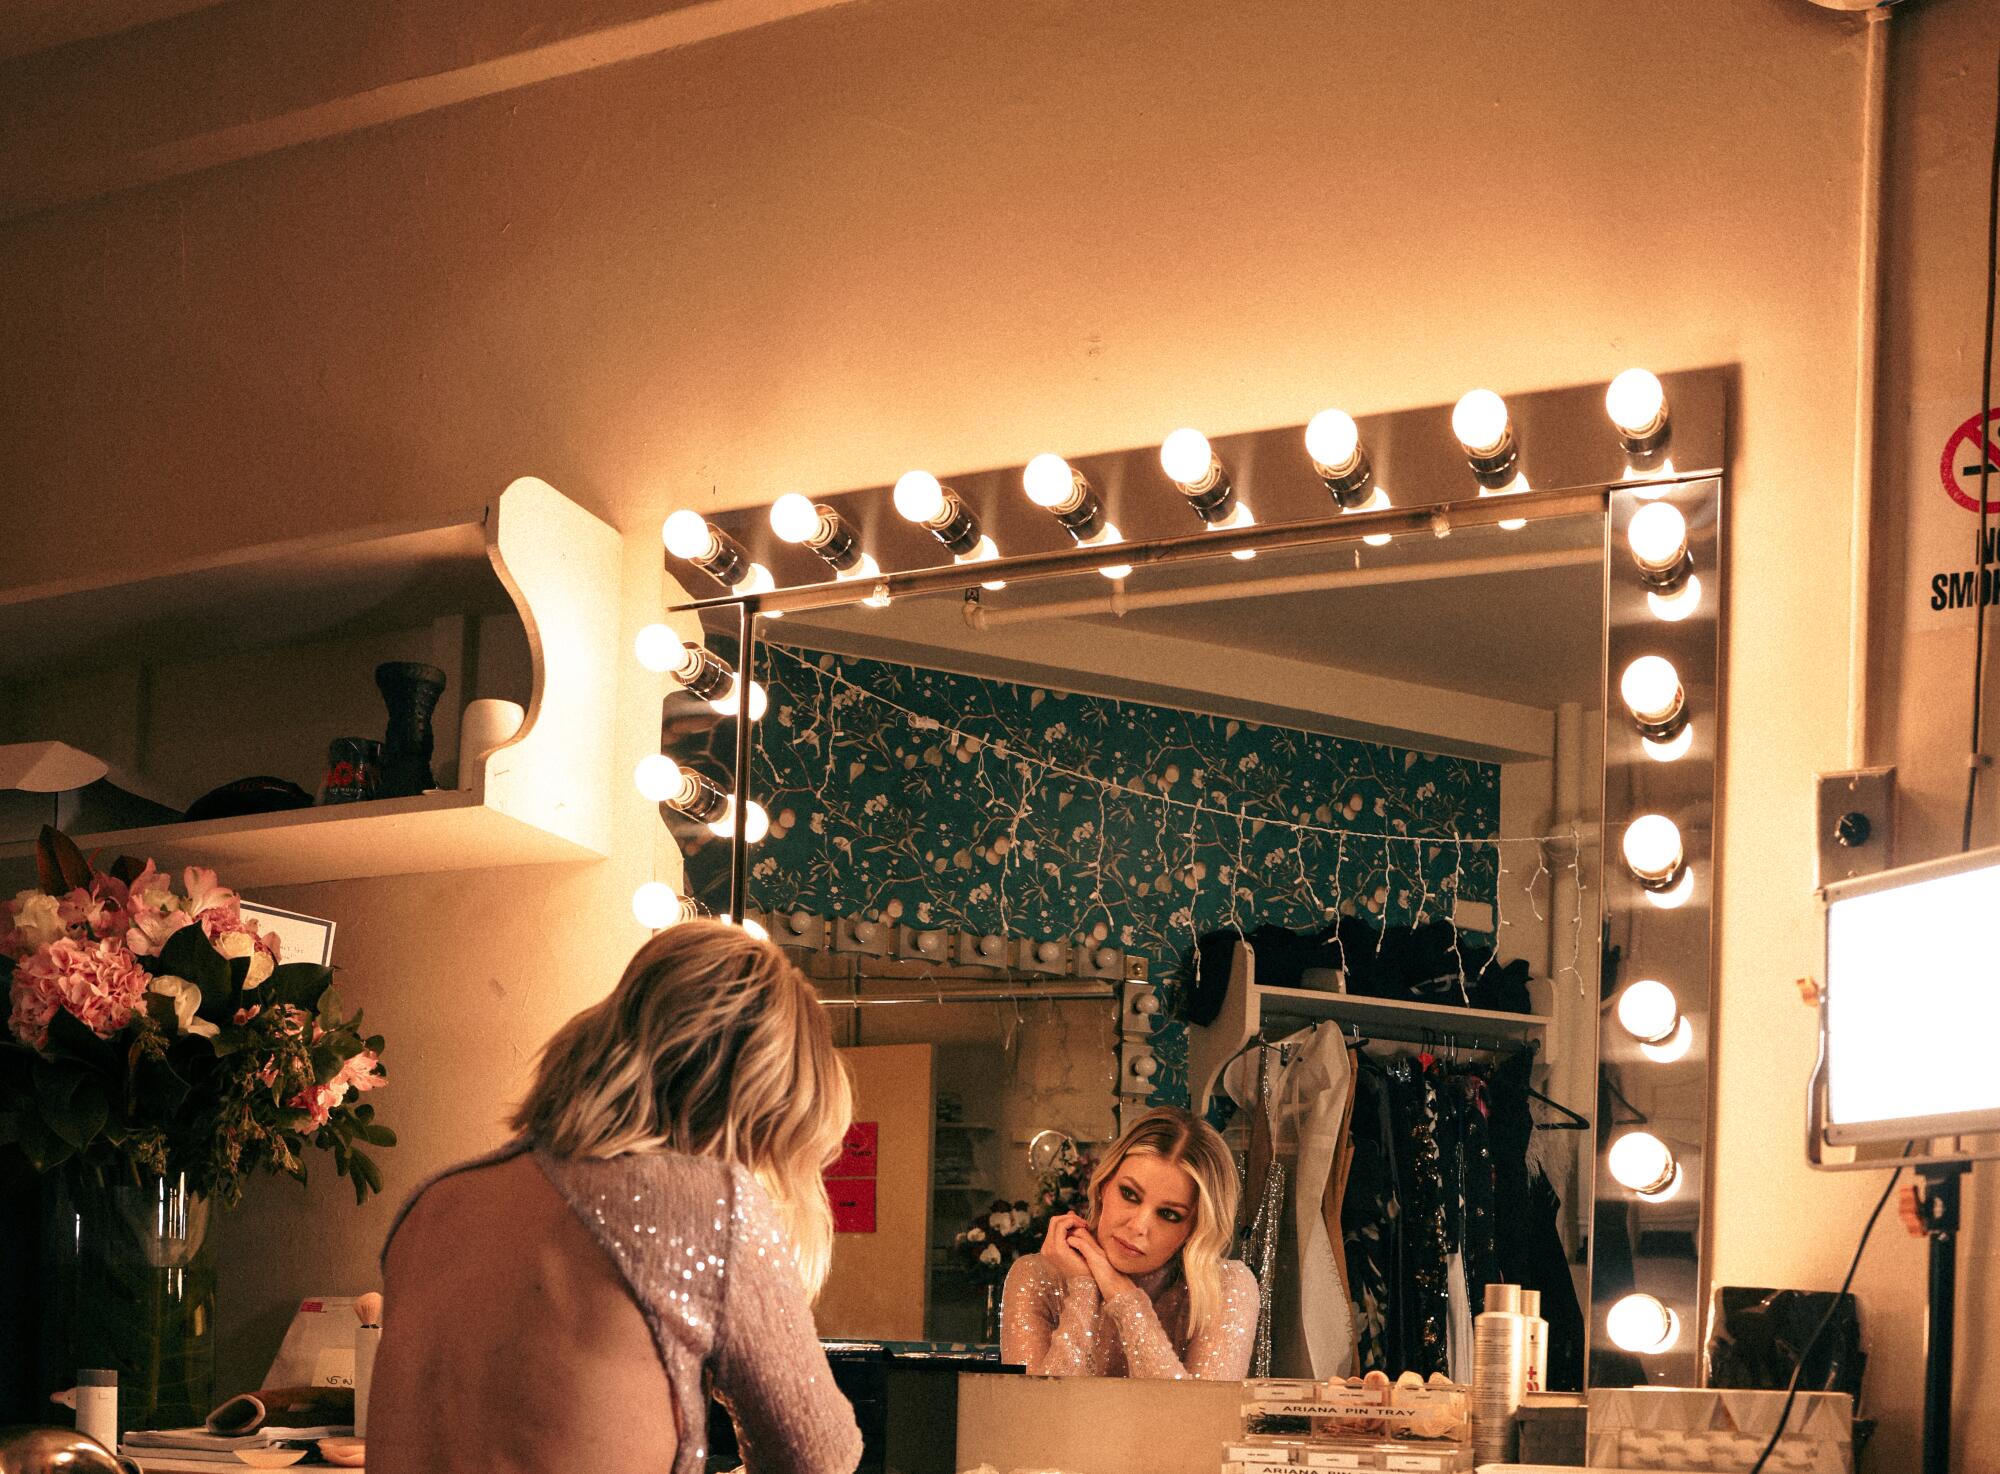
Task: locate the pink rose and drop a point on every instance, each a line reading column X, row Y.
column 99, row 983
column 150, row 930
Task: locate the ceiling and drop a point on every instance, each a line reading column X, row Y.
column 28, row 26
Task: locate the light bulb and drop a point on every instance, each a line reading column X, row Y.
column 1379, row 502
column 1675, row 1046
column 1642, row 1162
column 1049, row 481
column 658, row 648
column 1653, row 848
column 725, row 704
column 794, row 517
column 1657, row 536
column 756, row 823
column 1637, row 404
column 1649, row 1011
column 1678, row 605
column 686, row 535
column 1241, row 516
column 1672, row 897
column 1105, row 539
column 755, row 927
column 1332, row 438
column 1186, row 457
column 660, row 906
column 658, row 777
column 919, row 497
column 1651, row 689
column 1673, row 749
column 1643, row 1325
column 1479, row 420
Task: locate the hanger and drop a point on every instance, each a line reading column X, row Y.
column 1573, row 1123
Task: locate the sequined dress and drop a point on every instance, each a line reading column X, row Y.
column 1065, row 1328
column 705, row 1257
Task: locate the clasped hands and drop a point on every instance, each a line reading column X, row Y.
column 1074, row 1251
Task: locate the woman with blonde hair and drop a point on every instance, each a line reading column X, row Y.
column 658, row 1224
column 1140, row 1288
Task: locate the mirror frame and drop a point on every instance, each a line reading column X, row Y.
column 1566, row 447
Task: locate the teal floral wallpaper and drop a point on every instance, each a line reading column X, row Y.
column 945, row 800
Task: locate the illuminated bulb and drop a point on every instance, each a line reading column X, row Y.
column 1648, row 1011
column 1187, row 457
column 1671, row 897
column 1678, row 605
column 1049, row 481
column 755, row 927
column 686, row 535
column 1657, row 536
column 1673, row 749
column 1480, row 422
column 1643, row 1325
column 1651, row 689
column 1675, row 1047
column 1638, row 407
column 1240, row 517
column 1653, row 849
column 1642, row 1162
column 660, row 906
column 725, row 704
column 756, row 823
column 795, row 518
column 658, row 777
column 1332, row 440
column 919, row 497
column 1379, row 502
column 658, row 648
column 1104, row 539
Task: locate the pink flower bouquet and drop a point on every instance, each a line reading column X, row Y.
column 154, row 1029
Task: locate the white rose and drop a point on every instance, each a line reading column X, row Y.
column 186, row 1000
column 241, row 944
column 976, row 1235
column 990, row 1254
column 38, row 918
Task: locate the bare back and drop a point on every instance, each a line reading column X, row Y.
column 510, row 1341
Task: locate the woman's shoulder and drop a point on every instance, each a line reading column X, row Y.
column 493, row 1158
column 1237, row 1277
column 1033, row 1271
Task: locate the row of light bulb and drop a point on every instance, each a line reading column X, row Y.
column 1636, row 403
column 1656, row 701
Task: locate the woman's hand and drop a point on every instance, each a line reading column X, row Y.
column 1057, row 1249
column 1109, row 1281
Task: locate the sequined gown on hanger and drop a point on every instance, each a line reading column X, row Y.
column 1065, row 1328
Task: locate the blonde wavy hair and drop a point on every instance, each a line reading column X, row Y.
column 714, row 1045
column 1186, row 1141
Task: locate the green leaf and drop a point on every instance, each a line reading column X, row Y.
column 59, row 864
column 367, row 1176
column 69, row 1035
column 80, row 1116
column 231, row 1039
column 189, row 954
column 159, row 1090
column 298, row 983
column 374, row 1135
column 326, row 1063
column 329, row 1009
column 41, row 1146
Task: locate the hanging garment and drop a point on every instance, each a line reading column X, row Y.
column 1527, row 1241
column 1371, row 1224
column 1314, row 1333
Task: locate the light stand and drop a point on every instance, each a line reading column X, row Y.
column 1937, row 1208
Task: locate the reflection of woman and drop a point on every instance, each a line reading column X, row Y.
column 657, row 1225
column 1141, row 1289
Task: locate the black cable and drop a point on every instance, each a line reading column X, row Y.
column 1812, row 1344
column 1980, row 579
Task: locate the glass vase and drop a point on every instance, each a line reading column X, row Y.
column 128, row 1283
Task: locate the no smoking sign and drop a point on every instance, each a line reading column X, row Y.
column 1970, row 447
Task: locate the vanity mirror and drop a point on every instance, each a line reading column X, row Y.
column 1001, row 821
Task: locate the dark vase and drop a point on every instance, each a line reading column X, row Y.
column 128, row 1282
column 410, row 689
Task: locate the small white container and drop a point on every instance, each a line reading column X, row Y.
column 485, row 725
column 97, row 1405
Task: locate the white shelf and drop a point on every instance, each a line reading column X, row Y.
column 545, row 796
column 1249, row 1009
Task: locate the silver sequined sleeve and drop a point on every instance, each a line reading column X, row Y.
column 1047, row 1324
column 1220, row 1351
column 769, row 1369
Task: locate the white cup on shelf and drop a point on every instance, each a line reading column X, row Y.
column 485, row 725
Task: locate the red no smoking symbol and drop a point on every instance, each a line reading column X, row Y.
column 1969, row 449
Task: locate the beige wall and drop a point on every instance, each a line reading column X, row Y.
column 877, row 1284
column 814, row 253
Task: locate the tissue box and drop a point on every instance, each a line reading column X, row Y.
column 1682, row 1428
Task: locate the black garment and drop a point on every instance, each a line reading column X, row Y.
column 1525, row 1232
column 1371, row 1224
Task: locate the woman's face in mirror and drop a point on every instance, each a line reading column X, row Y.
column 1146, row 1214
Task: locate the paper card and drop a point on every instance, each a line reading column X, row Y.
column 853, row 1201
column 857, row 1151
column 300, row 938
column 318, row 1349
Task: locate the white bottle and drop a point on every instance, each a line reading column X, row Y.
column 1538, row 1341
column 367, row 1338
column 97, row 1405
column 1499, row 1373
